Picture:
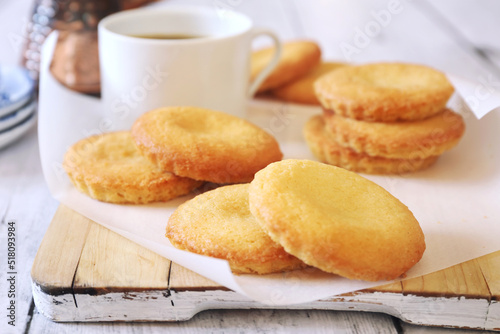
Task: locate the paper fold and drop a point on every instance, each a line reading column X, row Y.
column 455, row 201
column 480, row 97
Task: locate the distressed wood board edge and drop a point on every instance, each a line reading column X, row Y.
column 390, row 299
column 168, row 306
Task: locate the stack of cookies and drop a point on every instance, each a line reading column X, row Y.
column 385, row 118
column 298, row 213
column 168, row 153
column 293, row 78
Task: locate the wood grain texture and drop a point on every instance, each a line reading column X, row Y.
column 111, row 263
column 236, row 321
column 464, row 279
column 490, row 268
column 57, row 258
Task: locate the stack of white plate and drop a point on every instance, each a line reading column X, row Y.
column 17, row 103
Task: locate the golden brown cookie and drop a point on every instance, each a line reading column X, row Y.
column 384, row 92
column 336, row 220
column 297, row 58
column 109, row 168
column 327, row 150
column 398, row 140
column 302, row 89
column 219, row 224
column 204, row 144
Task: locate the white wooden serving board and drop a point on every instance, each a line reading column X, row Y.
column 85, row 272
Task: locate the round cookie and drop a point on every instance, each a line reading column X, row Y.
column 336, row 220
column 219, row 224
column 398, row 140
column 302, row 89
column 384, row 92
column 109, row 168
column 297, row 58
column 204, row 144
column 327, row 150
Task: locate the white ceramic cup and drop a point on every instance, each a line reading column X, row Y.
column 141, row 74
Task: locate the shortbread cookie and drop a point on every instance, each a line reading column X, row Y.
column 327, row 150
column 219, row 224
column 398, row 140
column 109, row 168
column 336, row 220
column 384, row 92
column 302, row 89
column 204, row 144
column 297, row 58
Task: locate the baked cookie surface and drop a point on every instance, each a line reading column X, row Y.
column 219, row 224
column 204, row 144
column 384, row 92
column 336, row 220
column 297, row 58
column 302, row 89
column 398, row 140
column 324, row 146
column 109, row 168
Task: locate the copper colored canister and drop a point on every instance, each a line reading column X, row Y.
column 75, row 63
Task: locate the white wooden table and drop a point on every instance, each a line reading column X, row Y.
column 459, row 37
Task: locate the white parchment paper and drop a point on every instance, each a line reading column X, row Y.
column 456, row 201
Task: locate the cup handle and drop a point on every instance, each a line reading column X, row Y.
column 270, row 67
